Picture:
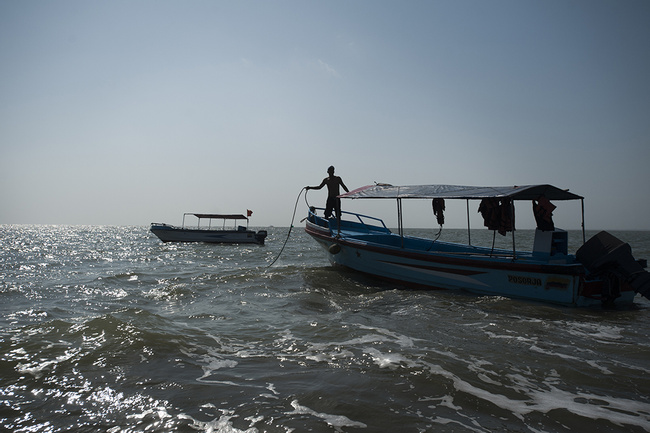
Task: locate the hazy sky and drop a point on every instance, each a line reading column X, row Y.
column 129, row 112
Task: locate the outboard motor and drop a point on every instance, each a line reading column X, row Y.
column 260, row 236
column 607, row 256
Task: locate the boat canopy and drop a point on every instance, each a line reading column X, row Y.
column 218, row 216
column 523, row 192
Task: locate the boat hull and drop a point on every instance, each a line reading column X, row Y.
column 167, row 233
column 381, row 256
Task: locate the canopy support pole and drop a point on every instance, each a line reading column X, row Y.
column 582, row 203
column 469, row 235
column 400, row 225
column 512, row 218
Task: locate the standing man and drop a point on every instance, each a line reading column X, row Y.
column 333, row 202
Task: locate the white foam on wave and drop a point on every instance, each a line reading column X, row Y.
column 365, row 339
column 618, row 411
column 333, row 420
column 210, row 363
column 220, row 425
column 40, row 367
column 271, row 387
column 214, row 364
column 565, row 357
column 389, row 360
column 465, row 427
column 339, row 350
column 595, row 331
column 447, row 401
column 400, row 339
column 331, row 357
column 31, row 313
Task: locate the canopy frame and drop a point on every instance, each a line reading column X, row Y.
column 461, row 192
column 211, row 216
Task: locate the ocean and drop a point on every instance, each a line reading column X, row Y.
column 107, row 329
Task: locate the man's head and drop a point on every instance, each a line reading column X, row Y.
column 330, row 170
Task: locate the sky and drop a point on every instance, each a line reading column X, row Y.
column 132, row 112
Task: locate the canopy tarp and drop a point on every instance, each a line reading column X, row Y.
column 523, row 192
column 218, row 216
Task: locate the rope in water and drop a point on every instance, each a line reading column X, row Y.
column 291, row 226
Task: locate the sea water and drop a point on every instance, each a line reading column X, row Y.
column 108, row 329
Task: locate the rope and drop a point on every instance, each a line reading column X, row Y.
column 434, row 240
column 290, row 227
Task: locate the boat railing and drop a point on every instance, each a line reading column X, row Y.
column 360, row 218
column 363, row 221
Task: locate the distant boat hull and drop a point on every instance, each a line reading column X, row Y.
column 168, row 233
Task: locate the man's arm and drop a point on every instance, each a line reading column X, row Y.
column 343, row 185
column 322, row 184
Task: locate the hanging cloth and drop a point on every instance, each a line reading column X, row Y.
column 438, row 205
column 506, row 214
column 497, row 214
column 543, row 212
column 489, row 209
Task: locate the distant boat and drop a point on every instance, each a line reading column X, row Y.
column 603, row 270
column 238, row 235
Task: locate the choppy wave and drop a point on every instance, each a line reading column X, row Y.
column 106, row 329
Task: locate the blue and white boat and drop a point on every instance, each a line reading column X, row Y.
column 209, row 234
column 602, row 272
